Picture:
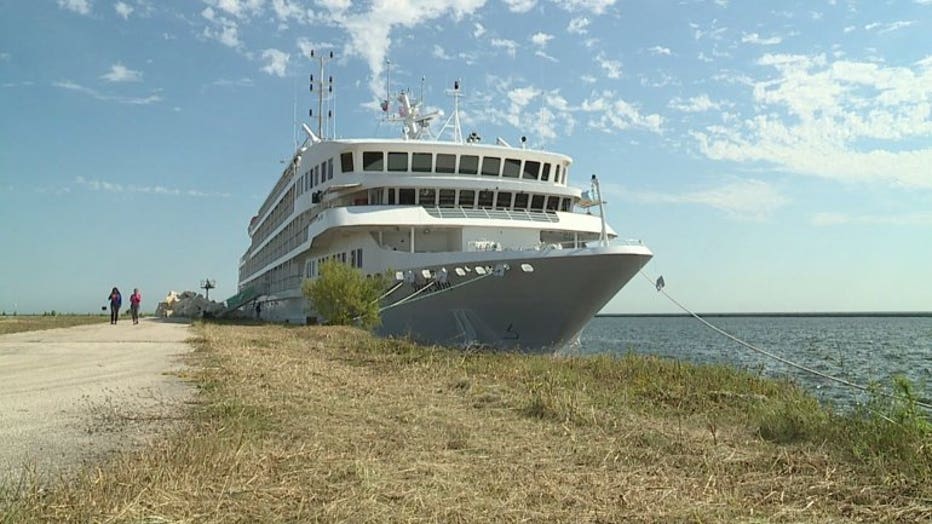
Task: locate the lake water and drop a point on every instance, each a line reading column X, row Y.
column 857, row 349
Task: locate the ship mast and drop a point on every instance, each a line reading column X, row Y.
column 321, row 84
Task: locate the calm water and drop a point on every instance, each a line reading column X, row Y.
column 858, row 349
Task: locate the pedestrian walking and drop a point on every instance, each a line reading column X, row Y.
column 134, row 301
column 116, row 300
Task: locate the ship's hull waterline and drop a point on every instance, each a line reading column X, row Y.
column 538, row 304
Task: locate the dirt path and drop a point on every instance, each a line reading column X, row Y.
column 70, row 395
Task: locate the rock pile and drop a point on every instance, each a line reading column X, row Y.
column 187, row 304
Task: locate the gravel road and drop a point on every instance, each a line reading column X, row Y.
column 69, row 396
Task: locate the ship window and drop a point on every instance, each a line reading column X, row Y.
column 446, row 163
column 545, row 175
column 330, row 169
column 467, row 198
column 307, row 181
column 373, row 160
column 565, row 204
column 537, row 202
column 512, row 168
column 346, row 162
column 323, row 172
column 531, row 170
column 398, row 161
column 447, row 197
column 491, row 165
column 556, row 177
column 485, row 199
column 503, row 201
column 552, row 203
column 316, row 180
column 406, row 196
column 391, row 196
column 469, row 165
column 420, row 162
column 427, row 197
column 521, row 201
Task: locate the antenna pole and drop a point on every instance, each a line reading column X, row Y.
column 320, row 91
column 598, row 194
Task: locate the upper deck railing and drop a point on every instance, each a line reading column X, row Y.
column 500, row 214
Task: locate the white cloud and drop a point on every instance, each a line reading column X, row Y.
column 696, row 104
column 740, row 199
column 5, row 57
column 754, row 38
column 276, row 62
column 112, row 187
column 238, row 8
column 509, row 45
column 838, row 219
column 123, row 9
column 82, row 7
column 849, row 28
column 223, row 29
column 370, row 31
column 286, row 9
column 105, row 97
column 609, row 112
column 594, row 6
column 478, row 30
column 658, row 50
column 578, row 25
column 440, row 53
column 520, row 6
column 612, row 68
column 541, row 39
column 886, row 28
column 239, row 82
column 851, row 121
column 306, row 46
column 120, row 73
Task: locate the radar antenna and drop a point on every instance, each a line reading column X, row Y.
column 455, row 117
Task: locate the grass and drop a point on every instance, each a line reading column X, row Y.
column 297, row 424
column 16, row 324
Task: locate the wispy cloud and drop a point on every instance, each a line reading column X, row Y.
column 578, row 25
column 609, row 112
column 695, row 104
column 838, row 219
column 541, row 39
column 593, row 6
column 612, row 68
column 882, row 28
column 221, row 28
column 106, row 97
column 82, row 7
column 111, row 187
column 123, row 9
column 120, row 73
column 478, row 30
column 510, row 46
column 740, row 199
column 814, row 117
column 659, row 50
column 754, row 38
column 520, row 6
column 276, row 62
column 238, row 82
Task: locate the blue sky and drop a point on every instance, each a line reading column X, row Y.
column 775, row 156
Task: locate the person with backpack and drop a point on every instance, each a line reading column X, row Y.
column 134, row 301
column 116, row 300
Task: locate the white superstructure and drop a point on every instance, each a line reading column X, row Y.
column 490, row 244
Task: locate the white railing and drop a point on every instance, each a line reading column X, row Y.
column 497, row 214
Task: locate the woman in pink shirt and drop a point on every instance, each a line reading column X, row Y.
column 134, row 301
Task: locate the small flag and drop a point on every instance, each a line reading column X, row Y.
column 385, row 105
column 660, row 283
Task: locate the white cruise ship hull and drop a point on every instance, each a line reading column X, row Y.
column 538, row 304
column 533, row 311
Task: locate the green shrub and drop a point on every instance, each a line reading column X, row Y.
column 343, row 296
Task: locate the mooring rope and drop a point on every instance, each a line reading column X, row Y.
column 439, row 290
column 659, row 285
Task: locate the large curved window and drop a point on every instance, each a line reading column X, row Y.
column 491, row 165
column 398, row 161
column 373, row 161
column 469, row 165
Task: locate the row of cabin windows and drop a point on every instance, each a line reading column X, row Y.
column 312, row 267
column 380, row 161
column 470, row 198
column 314, row 176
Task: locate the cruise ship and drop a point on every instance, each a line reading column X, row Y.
column 485, row 244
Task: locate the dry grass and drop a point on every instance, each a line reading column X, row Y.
column 329, row 424
column 17, row 324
